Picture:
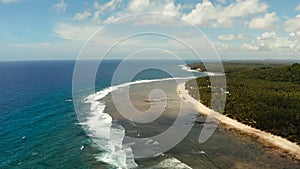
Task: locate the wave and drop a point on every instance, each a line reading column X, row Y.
column 186, row 68
column 108, row 135
column 214, row 74
column 68, row 100
column 171, row 163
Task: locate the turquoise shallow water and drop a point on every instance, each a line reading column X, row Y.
column 38, row 124
column 224, row 149
column 39, row 127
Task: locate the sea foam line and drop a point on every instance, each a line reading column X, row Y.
column 109, row 136
column 186, row 68
column 171, row 163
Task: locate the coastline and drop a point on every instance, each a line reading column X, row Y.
column 291, row 148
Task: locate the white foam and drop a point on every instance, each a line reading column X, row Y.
column 108, row 136
column 101, row 94
column 210, row 74
column 68, row 100
column 186, row 68
column 171, row 163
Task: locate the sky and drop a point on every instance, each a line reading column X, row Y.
column 238, row 29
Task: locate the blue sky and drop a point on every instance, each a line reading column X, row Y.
column 239, row 29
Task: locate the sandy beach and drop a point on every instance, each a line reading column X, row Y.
column 291, row 148
column 224, row 149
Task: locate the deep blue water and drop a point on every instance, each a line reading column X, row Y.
column 38, row 124
column 37, row 121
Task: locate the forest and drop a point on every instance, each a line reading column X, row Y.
column 264, row 96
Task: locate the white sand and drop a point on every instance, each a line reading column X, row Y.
column 282, row 143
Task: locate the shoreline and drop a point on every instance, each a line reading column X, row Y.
column 291, row 148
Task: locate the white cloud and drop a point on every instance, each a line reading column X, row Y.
column 153, row 19
column 9, row 1
column 75, row 32
column 110, row 5
column 110, row 19
column 265, row 22
column 99, row 9
column 167, row 7
column 203, row 14
column 268, row 36
column 138, row 5
column 248, row 46
column 242, row 37
column 297, row 8
column 187, row 6
column 60, row 6
column 208, row 14
column 163, row 6
column 269, row 41
column 231, row 37
column 96, row 17
column 172, row 9
column 293, row 25
column 82, row 15
column 245, row 8
column 222, row 46
column 226, row 37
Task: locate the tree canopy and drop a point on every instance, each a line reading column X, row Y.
column 263, row 96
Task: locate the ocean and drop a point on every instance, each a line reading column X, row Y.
column 38, row 124
column 39, row 127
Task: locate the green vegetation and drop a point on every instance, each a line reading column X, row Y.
column 231, row 67
column 264, row 96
